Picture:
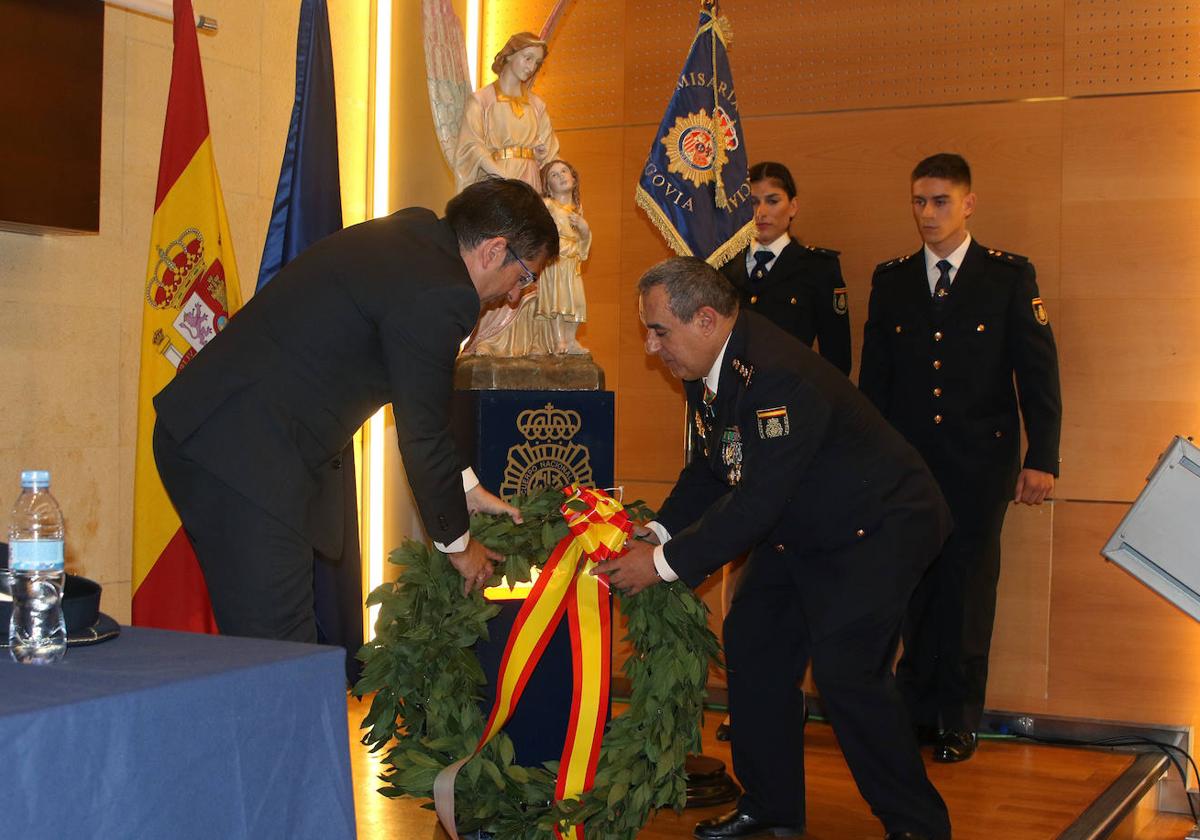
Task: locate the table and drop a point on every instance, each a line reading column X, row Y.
column 163, row 734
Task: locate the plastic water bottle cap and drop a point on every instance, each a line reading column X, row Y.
column 33, row 479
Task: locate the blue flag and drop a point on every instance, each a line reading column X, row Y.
column 308, row 203
column 308, row 207
column 695, row 185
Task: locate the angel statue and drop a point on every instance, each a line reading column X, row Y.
column 560, row 288
column 502, row 129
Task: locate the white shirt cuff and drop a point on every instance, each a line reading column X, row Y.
column 458, row 545
column 470, row 481
column 660, row 557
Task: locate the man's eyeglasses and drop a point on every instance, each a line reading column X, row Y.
column 529, row 278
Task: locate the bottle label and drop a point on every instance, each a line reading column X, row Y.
column 35, row 555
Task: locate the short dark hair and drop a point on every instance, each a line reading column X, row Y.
column 504, row 207
column 945, row 165
column 690, row 283
column 770, row 170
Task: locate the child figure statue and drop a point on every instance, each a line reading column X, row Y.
column 560, row 297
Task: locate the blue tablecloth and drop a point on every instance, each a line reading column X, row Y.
column 159, row 734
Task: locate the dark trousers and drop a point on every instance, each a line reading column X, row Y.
column 259, row 572
column 768, row 642
column 943, row 671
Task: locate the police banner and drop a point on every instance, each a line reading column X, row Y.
column 695, row 185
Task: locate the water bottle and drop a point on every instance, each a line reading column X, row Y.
column 37, row 634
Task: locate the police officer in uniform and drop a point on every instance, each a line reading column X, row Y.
column 799, row 287
column 841, row 518
column 947, row 330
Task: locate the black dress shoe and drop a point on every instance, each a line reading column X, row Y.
column 905, row 835
column 955, row 746
column 737, row 824
column 723, row 729
column 927, row 735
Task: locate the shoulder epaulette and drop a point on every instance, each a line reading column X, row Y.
column 1006, row 257
column 893, row 263
column 822, row 252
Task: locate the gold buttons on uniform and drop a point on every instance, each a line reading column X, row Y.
column 860, row 533
column 937, row 364
column 999, row 433
column 937, row 418
column 937, row 392
column 779, row 548
column 793, row 301
column 937, row 336
column 899, row 329
column 980, row 328
column 754, row 298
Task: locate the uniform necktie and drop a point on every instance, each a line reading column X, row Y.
column 709, row 396
column 761, row 258
column 942, row 288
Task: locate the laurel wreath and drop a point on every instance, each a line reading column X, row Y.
column 426, row 678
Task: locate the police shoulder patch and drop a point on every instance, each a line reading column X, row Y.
column 1039, row 311
column 840, row 304
column 772, row 422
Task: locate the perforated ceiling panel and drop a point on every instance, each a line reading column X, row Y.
column 1127, row 46
column 793, row 56
column 582, row 80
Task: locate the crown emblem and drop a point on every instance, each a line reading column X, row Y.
column 549, row 457
column 549, row 423
column 179, row 265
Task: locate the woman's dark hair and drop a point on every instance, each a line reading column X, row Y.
column 769, row 169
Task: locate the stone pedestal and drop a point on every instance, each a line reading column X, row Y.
column 528, row 373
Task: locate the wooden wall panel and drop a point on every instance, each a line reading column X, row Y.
column 1130, row 46
column 1019, row 666
column 811, row 56
column 1118, row 651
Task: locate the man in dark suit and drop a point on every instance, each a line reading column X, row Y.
column 799, row 287
column 840, row 517
column 249, row 434
column 947, row 330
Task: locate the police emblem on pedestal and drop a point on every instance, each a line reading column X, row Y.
column 549, row 457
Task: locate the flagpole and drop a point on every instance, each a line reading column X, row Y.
column 161, row 9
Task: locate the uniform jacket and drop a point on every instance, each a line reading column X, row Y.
column 944, row 377
column 372, row 314
column 796, row 464
column 804, row 294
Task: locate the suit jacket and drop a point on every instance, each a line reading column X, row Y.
column 804, row 294
column 372, row 314
column 944, row 375
column 797, row 465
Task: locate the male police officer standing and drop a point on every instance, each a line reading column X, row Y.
column 947, row 329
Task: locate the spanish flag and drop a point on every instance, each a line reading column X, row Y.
column 191, row 291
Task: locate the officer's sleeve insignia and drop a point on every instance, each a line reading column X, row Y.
column 772, row 422
column 840, row 306
column 1039, row 312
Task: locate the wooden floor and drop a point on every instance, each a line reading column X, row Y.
column 1010, row 790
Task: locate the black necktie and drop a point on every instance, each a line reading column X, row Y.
column 761, row 258
column 942, row 288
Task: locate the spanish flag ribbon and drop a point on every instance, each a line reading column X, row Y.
column 599, row 527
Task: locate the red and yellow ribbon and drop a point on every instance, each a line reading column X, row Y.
column 598, row 530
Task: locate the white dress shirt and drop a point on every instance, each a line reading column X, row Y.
column 710, row 382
